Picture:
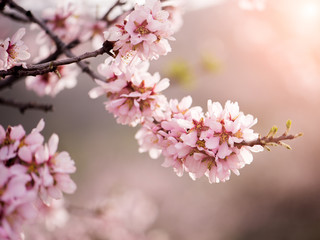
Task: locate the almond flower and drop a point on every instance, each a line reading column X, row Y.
column 144, row 33
column 29, row 172
column 201, row 143
column 62, row 20
column 13, row 51
column 52, row 83
column 133, row 95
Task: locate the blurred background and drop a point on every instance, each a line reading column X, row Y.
column 269, row 62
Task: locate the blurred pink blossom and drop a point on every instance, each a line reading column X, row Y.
column 13, row 51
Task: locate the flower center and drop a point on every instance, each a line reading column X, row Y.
column 141, row 28
column 12, row 51
column 201, row 143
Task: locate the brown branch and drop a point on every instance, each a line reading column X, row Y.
column 9, row 81
column 265, row 141
column 58, row 42
column 40, row 23
column 39, row 69
column 25, row 106
column 58, row 52
column 61, row 48
column 117, row 3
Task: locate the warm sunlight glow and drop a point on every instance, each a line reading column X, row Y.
column 310, row 11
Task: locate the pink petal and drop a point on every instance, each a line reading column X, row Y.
column 40, row 125
column 55, row 192
column 246, row 155
column 18, row 35
column 223, row 151
column 53, row 144
column 17, row 132
column 65, row 183
column 25, row 154
column 162, row 85
column 96, row 92
column 212, row 143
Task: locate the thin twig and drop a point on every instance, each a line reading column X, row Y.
column 9, row 81
column 39, row 69
column 58, row 42
column 264, row 141
column 106, row 16
column 58, row 52
column 25, row 106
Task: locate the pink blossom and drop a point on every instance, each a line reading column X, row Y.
column 63, row 21
column 29, row 172
column 134, row 94
column 54, row 176
column 53, row 216
column 93, row 31
column 144, row 33
column 13, row 51
column 52, row 83
column 11, row 142
column 201, row 143
column 174, row 8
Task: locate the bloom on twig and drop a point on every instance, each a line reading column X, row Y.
column 201, row 143
column 13, row 51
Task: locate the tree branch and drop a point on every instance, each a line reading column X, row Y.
column 117, row 3
column 25, row 106
column 58, row 42
column 9, row 81
column 39, row 69
column 271, row 141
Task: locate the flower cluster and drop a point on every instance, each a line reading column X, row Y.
column 143, row 33
column 63, row 20
column 13, row 51
column 133, row 95
column 123, row 214
column 69, row 22
column 201, row 143
column 30, row 172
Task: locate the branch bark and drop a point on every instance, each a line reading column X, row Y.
column 39, row 69
column 265, row 141
column 60, row 45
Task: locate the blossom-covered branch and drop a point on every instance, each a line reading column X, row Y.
column 213, row 143
column 270, row 141
column 40, row 69
column 58, row 42
column 23, row 106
